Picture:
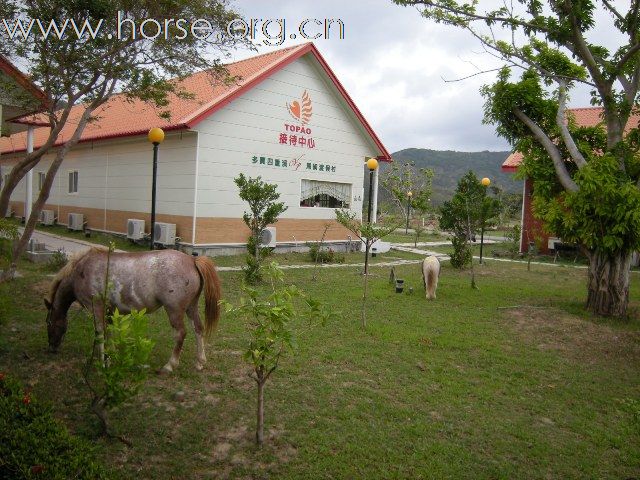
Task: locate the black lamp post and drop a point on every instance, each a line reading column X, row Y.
column 156, row 136
column 485, row 183
column 372, row 165
column 409, row 194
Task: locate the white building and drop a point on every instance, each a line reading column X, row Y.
column 287, row 119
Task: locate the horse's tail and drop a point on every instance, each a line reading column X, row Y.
column 431, row 277
column 212, row 292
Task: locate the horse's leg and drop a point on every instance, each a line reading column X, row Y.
column 194, row 314
column 433, row 284
column 175, row 318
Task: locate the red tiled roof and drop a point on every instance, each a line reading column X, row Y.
column 585, row 117
column 21, row 79
column 122, row 118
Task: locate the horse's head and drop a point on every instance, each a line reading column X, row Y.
column 56, row 324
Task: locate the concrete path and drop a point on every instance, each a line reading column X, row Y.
column 71, row 246
column 57, row 243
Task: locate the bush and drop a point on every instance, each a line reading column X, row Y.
column 324, row 255
column 513, row 237
column 57, row 261
column 33, row 444
column 461, row 256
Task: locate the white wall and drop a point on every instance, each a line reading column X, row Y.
column 116, row 175
column 251, row 124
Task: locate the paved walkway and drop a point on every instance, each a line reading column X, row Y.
column 70, row 246
column 57, row 243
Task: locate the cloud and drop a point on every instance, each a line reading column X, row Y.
column 393, row 63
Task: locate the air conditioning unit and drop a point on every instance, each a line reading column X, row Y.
column 135, row 229
column 164, row 233
column 76, row 221
column 268, row 237
column 47, row 217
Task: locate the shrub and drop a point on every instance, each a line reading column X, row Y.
column 513, row 237
column 33, row 444
column 461, row 256
column 57, row 261
column 324, row 255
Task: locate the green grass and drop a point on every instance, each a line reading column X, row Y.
column 304, row 259
column 513, row 380
column 399, row 237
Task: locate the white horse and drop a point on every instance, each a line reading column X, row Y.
column 430, row 275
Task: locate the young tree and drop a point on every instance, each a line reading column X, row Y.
column 80, row 72
column 118, row 362
column 586, row 180
column 263, row 210
column 270, row 316
column 402, row 178
column 368, row 233
column 464, row 215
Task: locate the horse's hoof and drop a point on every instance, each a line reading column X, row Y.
column 164, row 371
column 199, row 367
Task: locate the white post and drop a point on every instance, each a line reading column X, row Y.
column 374, row 213
column 28, row 199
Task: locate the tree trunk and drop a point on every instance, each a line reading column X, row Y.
column 608, row 283
column 20, row 245
column 260, row 413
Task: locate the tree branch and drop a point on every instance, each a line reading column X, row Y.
column 558, row 163
column 613, row 10
column 448, row 7
column 561, row 120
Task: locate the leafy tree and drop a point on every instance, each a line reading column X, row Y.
column 85, row 71
column 464, row 215
column 263, row 210
column 418, row 230
column 368, row 233
column 585, row 179
column 400, row 179
column 270, row 317
column 118, row 363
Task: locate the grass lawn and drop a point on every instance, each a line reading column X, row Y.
column 510, row 381
column 399, row 237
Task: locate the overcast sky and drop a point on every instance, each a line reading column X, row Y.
column 394, row 64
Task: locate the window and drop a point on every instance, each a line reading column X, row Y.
column 73, row 182
column 41, row 177
column 325, row 194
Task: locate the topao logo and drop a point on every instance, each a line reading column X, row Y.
column 301, row 111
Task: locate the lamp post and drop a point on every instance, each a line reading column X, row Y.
column 156, row 136
column 372, row 165
column 409, row 195
column 485, row 183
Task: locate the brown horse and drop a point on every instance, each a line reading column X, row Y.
column 150, row 280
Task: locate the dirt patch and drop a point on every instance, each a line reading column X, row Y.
column 574, row 337
column 41, row 288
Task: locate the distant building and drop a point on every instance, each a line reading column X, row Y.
column 287, row 119
column 532, row 229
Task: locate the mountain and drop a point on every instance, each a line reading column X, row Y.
column 449, row 166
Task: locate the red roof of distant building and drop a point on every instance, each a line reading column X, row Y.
column 120, row 117
column 585, row 117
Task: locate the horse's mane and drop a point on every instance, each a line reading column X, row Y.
column 68, row 269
